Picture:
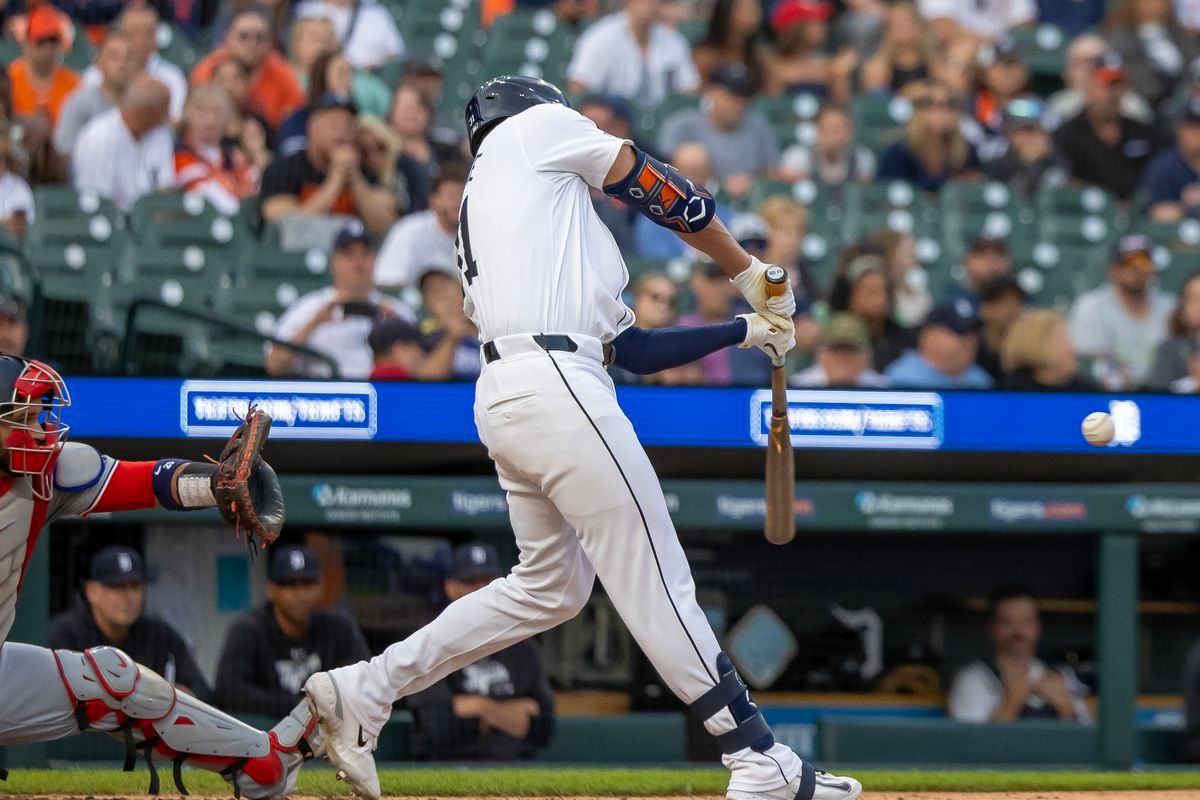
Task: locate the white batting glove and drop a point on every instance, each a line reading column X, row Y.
column 772, row 338
column 751, row 282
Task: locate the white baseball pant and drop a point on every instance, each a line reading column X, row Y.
column 584, row 501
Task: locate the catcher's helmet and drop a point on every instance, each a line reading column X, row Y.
column 32, row 397
column 502, row 97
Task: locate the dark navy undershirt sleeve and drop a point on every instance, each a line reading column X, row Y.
column 644, row 351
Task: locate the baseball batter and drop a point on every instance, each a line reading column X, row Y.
column 543, row 278
column 47, row 694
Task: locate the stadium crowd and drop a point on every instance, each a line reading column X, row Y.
column 322, row 127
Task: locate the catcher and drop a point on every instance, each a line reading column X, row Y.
column 47, row 694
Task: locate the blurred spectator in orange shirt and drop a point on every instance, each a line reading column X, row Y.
column 204, row 162
column 40, row 83
column 273, row 86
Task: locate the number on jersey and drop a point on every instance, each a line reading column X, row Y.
column 466, row 259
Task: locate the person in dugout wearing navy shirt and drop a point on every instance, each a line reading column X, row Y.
column 113, row 614
column 497, row 709
column 272, row 650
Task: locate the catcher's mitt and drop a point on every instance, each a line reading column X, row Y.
column 245, row 487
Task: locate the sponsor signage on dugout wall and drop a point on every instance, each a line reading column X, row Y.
column 478, row 502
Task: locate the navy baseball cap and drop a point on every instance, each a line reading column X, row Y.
column 293, row 562
column 333, row 100
column 1001, row 286
column 734, row 77
column 116, row 564
column 619, row 106
column 750, row 230
column 390, row 331
column 1134, row 250
column 982, row 244
column 353, row 233
column 470, row 562
column 958, row 317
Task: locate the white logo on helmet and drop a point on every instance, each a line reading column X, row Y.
column 124, row 562
column 296, row 560
column 478, row 555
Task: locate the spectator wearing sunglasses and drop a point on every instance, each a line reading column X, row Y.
column 933, row 149
column 274, row 90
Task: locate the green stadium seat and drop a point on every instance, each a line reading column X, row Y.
column 89, row 263
column 75, row 324
column 176, row 276
column 79, row 229
column 176, row 261
column 179, row 290
column 81, row 55
column 764, row 188
column 1054, row 274
column 1175, row 266
column 59, row 202
column 1044, row 49
column 893, row 205
column 175, row 47
column 161, row 342
column 9, row 49
column 640, row 266
column 17, row 273
column 265, row 261
column 879, row 119
column 970, row 210
column 1073, row 202
column 648, row 122
column 693, row 29
column 259, row 302
column 442, row 31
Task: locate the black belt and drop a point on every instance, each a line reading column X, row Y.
column 547, row 342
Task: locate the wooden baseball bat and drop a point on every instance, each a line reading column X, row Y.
column 780, row 527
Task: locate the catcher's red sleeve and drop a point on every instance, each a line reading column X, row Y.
column 128, row 487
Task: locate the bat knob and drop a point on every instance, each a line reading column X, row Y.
column 776, row 281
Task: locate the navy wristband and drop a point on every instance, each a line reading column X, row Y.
column 194, row 485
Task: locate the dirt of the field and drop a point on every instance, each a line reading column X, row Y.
column 867, row 795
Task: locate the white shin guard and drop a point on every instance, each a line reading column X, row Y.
column 112, row 693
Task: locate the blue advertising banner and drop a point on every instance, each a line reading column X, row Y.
column 298, row 410
column 875, row 420
column 674, row 417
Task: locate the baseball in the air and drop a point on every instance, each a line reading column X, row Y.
column 1098, row 428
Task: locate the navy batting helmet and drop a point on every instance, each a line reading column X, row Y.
column 502, row 97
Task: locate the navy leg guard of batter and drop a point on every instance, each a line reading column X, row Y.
column 731, row 693
column 808, row 782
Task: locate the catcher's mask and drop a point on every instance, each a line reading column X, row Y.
column 32, row 397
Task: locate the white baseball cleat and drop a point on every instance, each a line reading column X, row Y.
column 820, row 786
column 345, row 743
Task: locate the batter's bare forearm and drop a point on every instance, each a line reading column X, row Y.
column 717, row 243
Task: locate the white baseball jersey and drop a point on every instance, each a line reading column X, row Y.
column 535, row 257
